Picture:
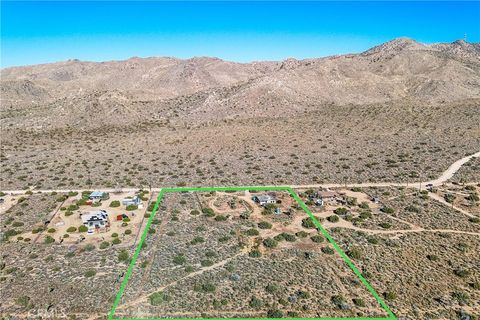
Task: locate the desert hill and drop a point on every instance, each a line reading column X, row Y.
column 399, row 69
column 397, row 111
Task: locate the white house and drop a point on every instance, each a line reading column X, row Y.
column 135, row 200
column 96, row 219
column 264, row 199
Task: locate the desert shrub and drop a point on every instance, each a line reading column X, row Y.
column 252, row 232
column 301, row 234
column 364, row 205
column 24, row 301
column 90, row 273
column 461, row 297
column 116, row 241
column 220, row 218
column 474, row 220
column 255, row 253
column 338, row 300
column 205, row 287
column 245, row 215
column 412, row 208
column 462, row 273
column 71, row 229
column 308, row 223
column 104, row 245
column 210, row 254
column 385, row 225
column 358, row 302
column 473, row 197
column 208, row 212
column 303, row 294
column 81, row 202
column 432, row 257
column 131, row 207
column 365, row 215
column 68, row 213
column 387, row 210
column 114, row 235
column 82, row 228
column 128, row 231
column 72, row 207
column 89, row 247
column 274, row 313
column 270, row 243
column 351, row 201
column 206, row 263
column 289, row 237
column 264, row 225
column 372, row 240
column 333, row 218
column 157, row 298
column 51, row 230
column 390, row 295
column 197, row 240
column 224, row 239
column 194, row 212
column 355, row 253
column 48, row 239
column 123, row 256
column 341, row 211
column 179, row 259
column 328, row 250
column 151, row 206
column 279, row 237
column 115, row 204
column 17, row 224
column 271, row 288
column 317, row 238
column 255, row 303
column 151, row 231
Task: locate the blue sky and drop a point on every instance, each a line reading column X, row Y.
column 39, row 32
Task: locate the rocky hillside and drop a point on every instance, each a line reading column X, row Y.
column 396, row 70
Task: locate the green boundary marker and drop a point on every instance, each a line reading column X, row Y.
column 302, row 205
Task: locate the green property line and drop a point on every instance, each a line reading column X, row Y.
column 372, row 318
column 256, row 188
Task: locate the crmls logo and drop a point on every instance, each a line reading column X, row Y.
column 52, row 312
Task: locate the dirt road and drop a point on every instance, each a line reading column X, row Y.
column 447, row 174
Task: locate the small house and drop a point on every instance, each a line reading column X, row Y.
column 327, row 195
column 129, row 201
column 96, row 196
column 264, row 199
column 96, row 220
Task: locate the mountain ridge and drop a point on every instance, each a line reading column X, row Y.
column 395, row 70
